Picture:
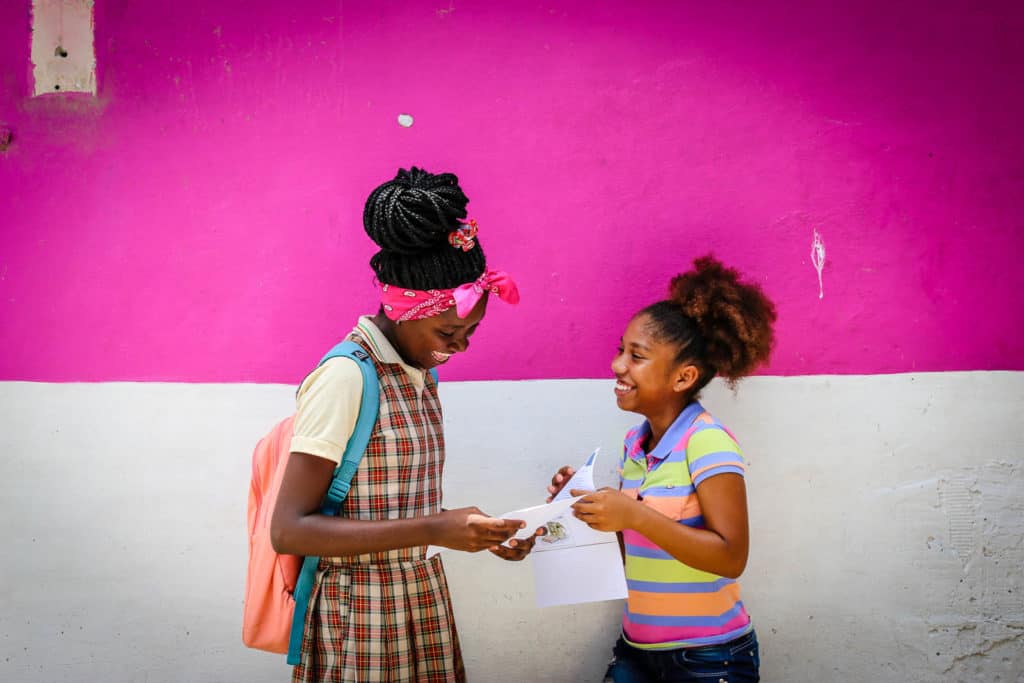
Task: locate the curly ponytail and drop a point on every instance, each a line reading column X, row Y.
column 721, row 324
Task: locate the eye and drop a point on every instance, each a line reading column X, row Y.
column 446, row 335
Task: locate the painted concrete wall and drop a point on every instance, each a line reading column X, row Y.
column 887, row 514
column 199, row 219
column 197, row 222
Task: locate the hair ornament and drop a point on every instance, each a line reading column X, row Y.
column 463, row 237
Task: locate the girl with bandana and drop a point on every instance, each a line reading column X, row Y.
column 380, row 611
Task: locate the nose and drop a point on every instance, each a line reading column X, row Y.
column 618, row 365
column 458, row 345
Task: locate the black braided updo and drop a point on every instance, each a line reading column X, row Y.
column 410, row 219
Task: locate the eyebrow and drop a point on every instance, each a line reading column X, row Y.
column 635, row 345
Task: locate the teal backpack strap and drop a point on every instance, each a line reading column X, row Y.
column 342, row 481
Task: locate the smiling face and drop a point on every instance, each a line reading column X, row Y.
column 431, row 342
column 650, row 379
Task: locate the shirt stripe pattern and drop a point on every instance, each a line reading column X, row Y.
column 670, row 604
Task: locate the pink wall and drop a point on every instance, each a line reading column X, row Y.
column 200, row 219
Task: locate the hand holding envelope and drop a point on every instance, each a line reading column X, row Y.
column 572, row 563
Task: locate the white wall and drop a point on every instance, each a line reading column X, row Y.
column 886, row 517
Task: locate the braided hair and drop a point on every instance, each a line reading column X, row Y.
column 410, row 219
column 723, row 326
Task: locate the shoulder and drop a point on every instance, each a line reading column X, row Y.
column 712, row 450
column 341, row 374
column 708, row 437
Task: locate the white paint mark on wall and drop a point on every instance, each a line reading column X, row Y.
column 63, row 55
column 818, row 259
column 405, row 120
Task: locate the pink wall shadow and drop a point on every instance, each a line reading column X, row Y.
column 200, row 220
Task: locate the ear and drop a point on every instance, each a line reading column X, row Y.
column 686, row 376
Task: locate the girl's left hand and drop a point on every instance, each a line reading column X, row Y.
column 604, row 510
column 517, row 548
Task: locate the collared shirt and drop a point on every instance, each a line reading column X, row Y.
column 329, row 397
column 671, row 604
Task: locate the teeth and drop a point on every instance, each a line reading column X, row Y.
column 622, row 387
column 441, row 356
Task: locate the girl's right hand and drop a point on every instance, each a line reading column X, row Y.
column 471, row 530
column 561, row 478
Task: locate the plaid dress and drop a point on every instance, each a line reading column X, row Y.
column 387, row 616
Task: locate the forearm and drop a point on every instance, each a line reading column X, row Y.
column 327, row 536
column 702, row 549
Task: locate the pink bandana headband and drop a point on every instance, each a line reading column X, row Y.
column 402, row 304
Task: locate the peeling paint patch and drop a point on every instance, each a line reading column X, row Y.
column 978, row 629
column 956, row 501
column 63, row 54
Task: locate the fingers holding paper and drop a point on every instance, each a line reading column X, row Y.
column 559, row 480
column 471, row 530
column 518, row 548
column 604, row 510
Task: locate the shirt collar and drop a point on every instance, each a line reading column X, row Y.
column 672, row 436
column 384, row 351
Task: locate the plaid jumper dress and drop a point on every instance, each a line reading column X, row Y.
column 387, row 616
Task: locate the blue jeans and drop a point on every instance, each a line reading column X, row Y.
column 734, row 662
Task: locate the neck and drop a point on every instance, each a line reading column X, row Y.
column 387, row 326
column 661, row 421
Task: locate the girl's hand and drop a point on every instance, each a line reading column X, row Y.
column 561, row 478
column 471, row 530
column 604, row 510
column 518, row 548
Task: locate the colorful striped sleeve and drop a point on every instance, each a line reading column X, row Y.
column 712, row 451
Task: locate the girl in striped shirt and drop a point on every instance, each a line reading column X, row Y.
column 681, row 508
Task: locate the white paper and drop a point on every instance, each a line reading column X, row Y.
column 540, row 515
column 589, row 573
column 583, row 479
column 573, row 563
column 535, row 517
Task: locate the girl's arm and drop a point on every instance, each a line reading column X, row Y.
column 720, row 548
column 298, row 528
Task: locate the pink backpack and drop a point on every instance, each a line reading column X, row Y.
column 277, row 587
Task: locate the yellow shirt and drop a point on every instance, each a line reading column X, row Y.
column 328, row 399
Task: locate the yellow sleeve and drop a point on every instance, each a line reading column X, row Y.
column 328, row 406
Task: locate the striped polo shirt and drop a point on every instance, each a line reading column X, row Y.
column 670, row 604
